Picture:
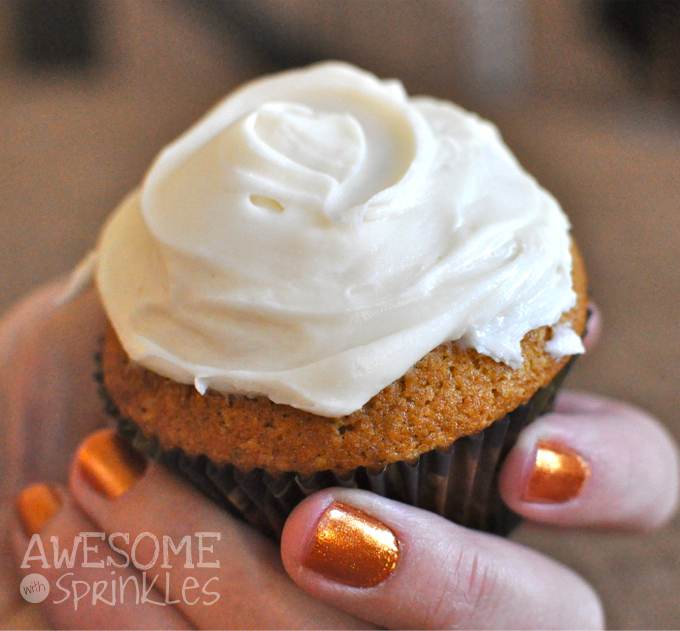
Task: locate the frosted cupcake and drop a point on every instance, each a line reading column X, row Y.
column 327, row 282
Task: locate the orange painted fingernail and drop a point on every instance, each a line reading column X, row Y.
column 558, row 476
column 36, row 505
column 352, row 547
column 109, row 463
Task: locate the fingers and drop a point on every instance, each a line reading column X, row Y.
column 49, row 543
column 401, row 567
column 593, row 463
column 119, row 493
column 48, row 396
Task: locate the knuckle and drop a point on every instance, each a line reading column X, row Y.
column 471, row 587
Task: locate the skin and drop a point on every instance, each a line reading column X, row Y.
column 447, row 576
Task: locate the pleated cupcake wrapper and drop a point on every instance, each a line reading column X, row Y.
column 459, row 482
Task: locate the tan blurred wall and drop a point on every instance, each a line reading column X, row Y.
column 469, row 50
column 5, row 32
column 571, row 58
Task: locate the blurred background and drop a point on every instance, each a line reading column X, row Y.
column 586, row 92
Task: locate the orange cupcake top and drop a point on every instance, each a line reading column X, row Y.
column 448, row 394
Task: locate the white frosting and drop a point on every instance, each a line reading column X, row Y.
column 318, row 232
column 564, row 341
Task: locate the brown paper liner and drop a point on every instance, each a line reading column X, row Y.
column 459, row 482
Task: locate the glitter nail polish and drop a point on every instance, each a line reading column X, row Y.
column 109, row 463
column 558, row 476
column 351, row 547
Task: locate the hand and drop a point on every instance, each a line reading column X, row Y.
column 450, row 577
column 49, row 404
column 444, row 575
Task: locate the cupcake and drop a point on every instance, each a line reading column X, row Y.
column 325, row 282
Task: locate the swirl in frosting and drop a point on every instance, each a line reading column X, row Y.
column 318, row 232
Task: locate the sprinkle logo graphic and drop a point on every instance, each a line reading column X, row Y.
column 120, row 568
column 34, row 588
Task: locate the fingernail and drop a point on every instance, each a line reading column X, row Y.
column 36, row 505
column 352, row 547
column 558, row 475
column 109, row 463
